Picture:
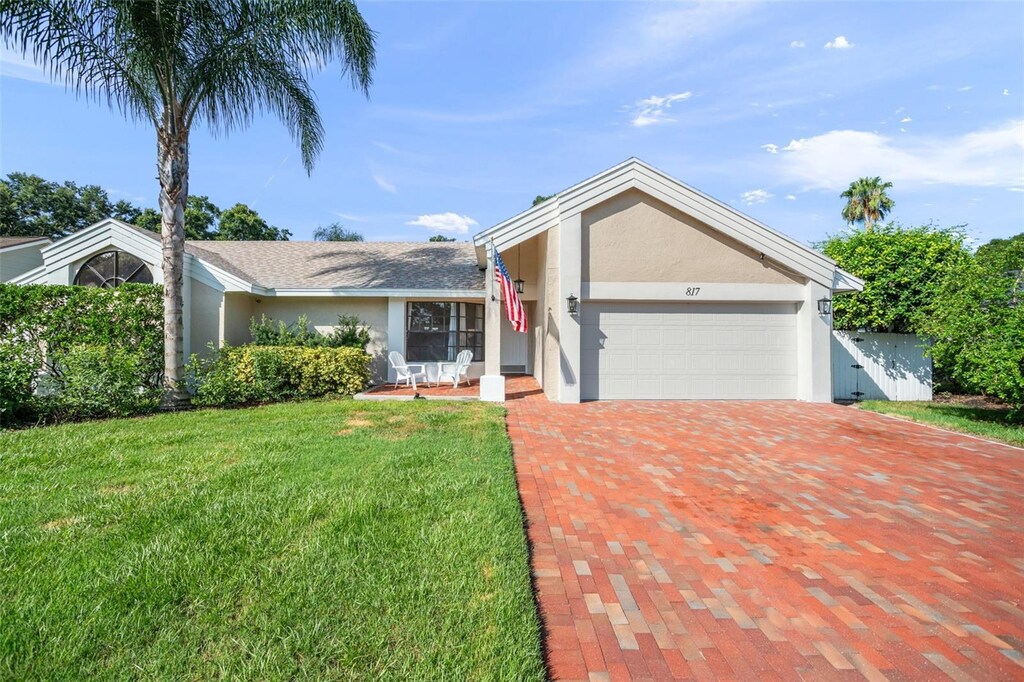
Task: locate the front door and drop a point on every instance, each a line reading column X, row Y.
column 515, row 348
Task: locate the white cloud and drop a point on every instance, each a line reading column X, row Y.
column 756, row 196
column 839, row 43
column 770, row 148
column 655, row 108
column 445, row 222
column 383, row 183
column 965, row 88
column 790, row 197
column 906, row 119
column 13, row 65
column 992, row 157
column 1006, row 91
column 798, row 43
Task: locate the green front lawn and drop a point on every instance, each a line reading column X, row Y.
column 987, row 422
column 316, row 540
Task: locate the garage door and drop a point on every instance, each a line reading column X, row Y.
column 688, row 350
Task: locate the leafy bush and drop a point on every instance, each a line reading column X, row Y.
column 19, row 364
column 57, row 318
column 977, row 326
column 350, row 332
column 258, row 374
column 902, row 269
column 102, row 350
column 99, row 381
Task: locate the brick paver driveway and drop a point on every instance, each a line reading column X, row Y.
column 753, row 540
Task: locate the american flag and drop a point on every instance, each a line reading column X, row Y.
column 514, row 309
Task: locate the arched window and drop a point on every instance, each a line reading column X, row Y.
column 112, row 269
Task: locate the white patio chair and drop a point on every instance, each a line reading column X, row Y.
column 404, row 371
column 455, row 371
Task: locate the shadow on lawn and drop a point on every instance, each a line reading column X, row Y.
column 1002, row 416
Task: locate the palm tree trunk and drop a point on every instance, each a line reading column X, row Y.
column 172, row 166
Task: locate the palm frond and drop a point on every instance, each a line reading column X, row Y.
column 78, row 43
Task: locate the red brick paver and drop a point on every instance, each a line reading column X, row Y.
column 755, row 540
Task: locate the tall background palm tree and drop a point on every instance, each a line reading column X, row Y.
column 867, row 201
column 174, row 63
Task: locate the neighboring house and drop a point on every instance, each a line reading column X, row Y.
column 680, row 296
column 18, row 255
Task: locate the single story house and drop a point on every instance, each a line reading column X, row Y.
column 677, row 295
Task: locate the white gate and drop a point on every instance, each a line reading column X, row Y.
column 870, row 366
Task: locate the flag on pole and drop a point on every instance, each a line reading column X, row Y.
column 514, row 310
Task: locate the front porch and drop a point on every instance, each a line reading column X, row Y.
column 517, row 387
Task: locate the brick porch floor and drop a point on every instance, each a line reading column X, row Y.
column 753, row 540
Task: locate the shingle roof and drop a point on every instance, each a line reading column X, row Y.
column 355, row 265
column 342, row 265
column 6, row 242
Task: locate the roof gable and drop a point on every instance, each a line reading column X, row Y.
column 635, row 174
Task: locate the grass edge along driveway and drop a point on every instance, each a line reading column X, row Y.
column 984, row 422
column 325, row 539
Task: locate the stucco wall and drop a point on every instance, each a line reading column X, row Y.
column 205, row 305
column 323, row 315
column 521, row 262
column 238, row 312
column 19, row 261
column 550, row 310
column 636, row 238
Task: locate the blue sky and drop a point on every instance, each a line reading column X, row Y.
column 476, row 108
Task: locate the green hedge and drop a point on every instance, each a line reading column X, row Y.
column 258, row 374
column 102, row 348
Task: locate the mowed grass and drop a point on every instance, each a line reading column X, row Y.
column 987, row 422
column 316, row 540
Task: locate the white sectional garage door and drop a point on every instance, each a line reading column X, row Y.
column 664, row 351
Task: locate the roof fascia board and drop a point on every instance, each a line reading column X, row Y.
column 727, row 223
column 377, row 293
column 542, row 214
column 844, row 282
column 718, row 207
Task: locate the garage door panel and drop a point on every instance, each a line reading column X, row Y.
column 688, row 351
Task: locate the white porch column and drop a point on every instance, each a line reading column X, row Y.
column 492, row 384
column 814, row 347
column 569, row 274
column 396, row 330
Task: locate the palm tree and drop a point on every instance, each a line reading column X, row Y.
column 176, row 62
column 867, row 201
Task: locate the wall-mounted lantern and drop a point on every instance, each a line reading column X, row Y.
column 825, row 306
column 573, row 304
column 520, row 286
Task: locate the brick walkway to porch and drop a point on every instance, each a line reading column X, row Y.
column 748, row 540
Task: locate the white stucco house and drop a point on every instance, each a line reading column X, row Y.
column 680, row 296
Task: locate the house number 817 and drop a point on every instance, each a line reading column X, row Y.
column 692, row 291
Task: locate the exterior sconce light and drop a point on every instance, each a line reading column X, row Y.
column 520, row 286
column 824, row 306
column 573, row 303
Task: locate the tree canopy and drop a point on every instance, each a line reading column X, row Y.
column 201, row 218
column 336, row 232
column 1002, row 255
column 867, row 202
column 902, row 269
column 541, row 198
column 241, row 223
column 441, row 238
column 33, row 207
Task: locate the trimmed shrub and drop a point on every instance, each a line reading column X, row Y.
column 258, row 374
column 101, row 349
column 99, row 381
column 57, row 318
column 350, row 332
column 19, row 364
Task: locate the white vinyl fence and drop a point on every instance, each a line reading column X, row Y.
column 870, row 366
